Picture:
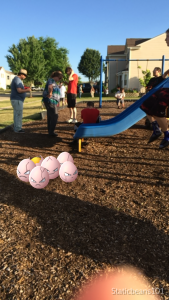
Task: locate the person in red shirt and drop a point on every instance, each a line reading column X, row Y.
column 89, row 115
column 72, row 94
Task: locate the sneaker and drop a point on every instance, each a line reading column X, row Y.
column 53, row 134
column 154, row 136
column 164, row 143
column 74, row 121
column 70, row 120
column 20, row 131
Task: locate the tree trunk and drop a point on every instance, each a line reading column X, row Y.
column 30, row 95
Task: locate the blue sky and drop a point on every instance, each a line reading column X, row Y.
column 77, row 25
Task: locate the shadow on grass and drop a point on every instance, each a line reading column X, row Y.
column 33, row 117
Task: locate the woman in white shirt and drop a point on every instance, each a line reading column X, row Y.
column 62, row 93
column 120, row 95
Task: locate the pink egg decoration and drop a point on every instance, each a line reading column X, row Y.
column 52, row 165
column 68, row 171
column 39, row 177
column 63, row 157
column 24, row 169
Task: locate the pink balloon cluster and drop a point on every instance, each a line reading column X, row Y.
column 49, row 168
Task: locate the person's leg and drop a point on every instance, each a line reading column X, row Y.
column 18, row 113
column 71, row 112
column 162, row 123
column 53, row 118
column 98, row 119
column 69, row 101
column 61, row 102
column 122, row 102
column 48, row 115
column 73, row 105
column 150, row 118
column 77, row 125
column 74, row 113
column 164, row 127
column 156, row 128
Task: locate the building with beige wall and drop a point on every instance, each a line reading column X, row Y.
column 2, row 78
column 6, row 78
column 127, row 73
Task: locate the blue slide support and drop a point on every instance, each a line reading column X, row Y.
column 121, row 122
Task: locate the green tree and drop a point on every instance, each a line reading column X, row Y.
column 27, row 55
column 89, row 64
column 79, row 80
column 56, row 58
column 146, row 78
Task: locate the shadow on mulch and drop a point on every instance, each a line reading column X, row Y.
column 88, row 229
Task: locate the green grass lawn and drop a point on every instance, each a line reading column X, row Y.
column 32, row 109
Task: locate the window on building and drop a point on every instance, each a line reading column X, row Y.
column 8, row 77
column 125, row 79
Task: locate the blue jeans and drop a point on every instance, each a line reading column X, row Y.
column 80, row 94
column 17, row 114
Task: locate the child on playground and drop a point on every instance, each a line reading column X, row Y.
column 120, row 95
column 89, row 115
column 155, row 107
column 151, row 84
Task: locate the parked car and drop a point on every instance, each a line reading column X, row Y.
column 26, row 87
column 37, row 88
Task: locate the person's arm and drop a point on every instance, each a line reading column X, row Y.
column 65, row 82
column 165, row 74
column 50, row 90
column 20, row 90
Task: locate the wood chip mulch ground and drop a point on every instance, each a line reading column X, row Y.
column 116, row 212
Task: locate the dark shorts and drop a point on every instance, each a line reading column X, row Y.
column 156, row 104
column 71, row 100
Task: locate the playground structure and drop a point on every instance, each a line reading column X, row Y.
column 121, row 122
column 106, row 60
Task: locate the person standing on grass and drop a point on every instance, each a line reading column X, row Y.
column 92, row 91
column 18, row 94
column 107, row 91
column 51, row 98
column 72, row 94
column 80, row 91
column 62, row 93
column 155, row 107
column 118, row 96
column 123, row 95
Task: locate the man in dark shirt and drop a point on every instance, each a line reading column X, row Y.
column 155, row 80
column 151, row 84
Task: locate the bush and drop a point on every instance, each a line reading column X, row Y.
column 114, row 90
column 8, row 87
column 131, row 91
column 1, row 89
